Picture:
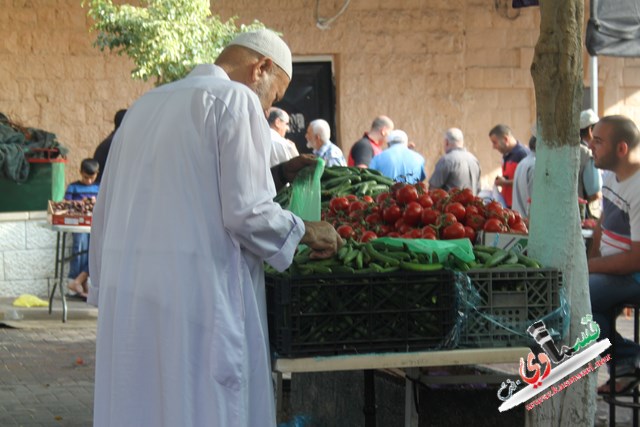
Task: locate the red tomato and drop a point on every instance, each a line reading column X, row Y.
column 407, row 194
column 412, row 213
column 367, row 199
column 508, row 215
column 339, row 204
column 447, row 219
column 373, row 218
column 416, row 233
column 494, row 209
column 395, row 188
column 453, row 231
column 367, row 236
column 494, row 225
column 356, row 206
column 519, row 227
column 456, row 209
column 429, row 216
column 464, row 196
column 356, row 216
column 514, row 217
column 402, row 227
column 425, row 201
column 382, row 197
column 351, row 197
column 391, row 214
column 383, row 230
column 470, row 233
column 346, row 231
column 438, row 194
column 472, row 210
column 474, row 221
column 393, row 234
column 429, row 233
column 422, row 187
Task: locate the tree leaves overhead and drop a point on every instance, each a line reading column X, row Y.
column 164, row 38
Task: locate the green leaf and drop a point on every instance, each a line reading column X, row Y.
column 164, row 38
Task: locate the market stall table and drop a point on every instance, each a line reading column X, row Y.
column 409, row 362
column 61, row 258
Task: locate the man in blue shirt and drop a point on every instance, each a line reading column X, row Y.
column 318, row 134
column 399, row 162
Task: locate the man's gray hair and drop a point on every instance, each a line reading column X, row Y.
column 454, row 137
column 321, row 128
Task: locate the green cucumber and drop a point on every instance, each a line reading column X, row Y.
column 412, row 266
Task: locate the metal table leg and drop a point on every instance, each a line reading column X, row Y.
column 369, row 398
column 62, row 288
column 57, row 263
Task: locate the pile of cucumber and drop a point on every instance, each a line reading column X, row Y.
column 341, row 181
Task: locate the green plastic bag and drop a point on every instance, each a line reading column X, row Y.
column 306, row 192
column 460, row 248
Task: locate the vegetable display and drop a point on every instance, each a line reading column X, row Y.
column 412, row 211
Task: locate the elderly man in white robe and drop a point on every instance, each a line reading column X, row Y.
column 183, row 223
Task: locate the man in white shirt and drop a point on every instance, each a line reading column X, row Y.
column 183, row 225
column 523, row 181
column 282, row 149
column 318, row 139
column 614, row 258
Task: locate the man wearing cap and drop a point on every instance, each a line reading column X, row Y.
column 183, row 225
column 589, row 177
column 457, row 168
column 371, row 143
column 399, row 162
column 282, row 149
column 318, row 134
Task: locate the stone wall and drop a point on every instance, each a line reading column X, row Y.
column 27, row 254
column 429, row 65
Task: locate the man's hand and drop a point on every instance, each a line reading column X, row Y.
column 501, row 181
column 322, row 238
column 291, row 167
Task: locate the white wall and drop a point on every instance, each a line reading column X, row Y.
column 27, row 254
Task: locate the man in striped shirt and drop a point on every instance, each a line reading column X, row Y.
column 614, row 261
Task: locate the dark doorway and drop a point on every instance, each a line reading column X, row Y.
column 310, row 96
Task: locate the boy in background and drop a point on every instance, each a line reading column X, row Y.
column 82, row 189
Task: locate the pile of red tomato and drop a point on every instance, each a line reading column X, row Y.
column 412, row 211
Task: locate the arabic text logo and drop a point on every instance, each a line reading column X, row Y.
column 540, row 371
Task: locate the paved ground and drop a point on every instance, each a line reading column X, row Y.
column 47, row 368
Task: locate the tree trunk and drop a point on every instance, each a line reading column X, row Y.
column 555, row 236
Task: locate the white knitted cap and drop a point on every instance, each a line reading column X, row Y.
column 269, row 44
column 588, row 118
column 397, row 137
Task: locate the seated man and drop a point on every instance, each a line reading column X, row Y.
column 614, row 259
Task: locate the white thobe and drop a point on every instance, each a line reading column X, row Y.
column 182, row 225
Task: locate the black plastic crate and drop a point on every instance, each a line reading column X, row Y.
column 402, row 311
column 500, row 305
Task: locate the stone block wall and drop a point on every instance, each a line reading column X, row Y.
column 27, row 254
column 429, row 65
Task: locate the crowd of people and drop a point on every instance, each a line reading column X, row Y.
column 185, row 221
